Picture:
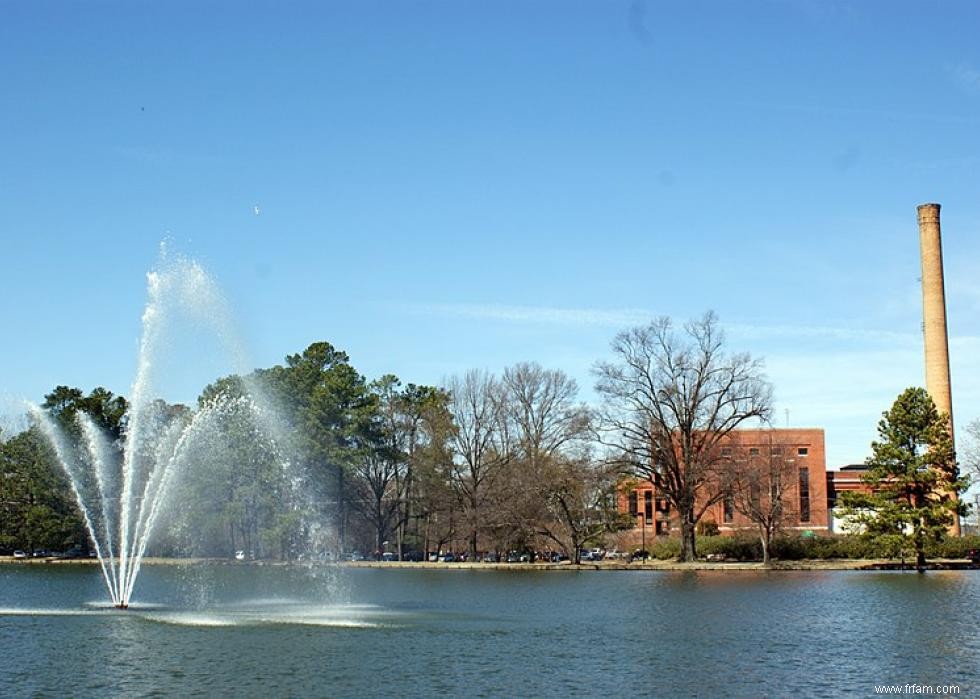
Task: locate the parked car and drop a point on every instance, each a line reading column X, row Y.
column 75, row 552
column 414, row 556
column 448, row 558
column 973, row 555
column 389, row 556
column 640, row 555
column 19, row 554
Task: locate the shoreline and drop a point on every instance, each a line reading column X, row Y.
column 656, row 565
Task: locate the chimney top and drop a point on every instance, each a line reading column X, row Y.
column 928, row 213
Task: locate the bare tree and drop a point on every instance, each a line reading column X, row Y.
column 669, row 401
column 541, row 405
column 761, row 488
column 556, row 491
column 969, row 455
column 480, row 443
column 969, row 451
column 580, row 498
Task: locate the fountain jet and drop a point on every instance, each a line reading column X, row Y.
column 122, row 490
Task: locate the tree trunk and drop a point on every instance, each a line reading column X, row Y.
column 920, row 559
column 341, row 512
column 920, row 550
column 766, row 543
column 688, row 545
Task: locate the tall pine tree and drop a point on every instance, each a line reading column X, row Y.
column 912, row 476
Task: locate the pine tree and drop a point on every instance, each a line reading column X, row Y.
column 913, row 478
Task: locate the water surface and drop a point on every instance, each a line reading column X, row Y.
column 273, row 631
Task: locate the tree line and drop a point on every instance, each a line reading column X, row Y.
column 483, row 463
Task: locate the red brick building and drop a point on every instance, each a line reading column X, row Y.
column 847, row 479
column 800, row 453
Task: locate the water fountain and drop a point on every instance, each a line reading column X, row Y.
column 122, row 489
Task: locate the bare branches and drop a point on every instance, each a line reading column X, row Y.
column 670, row 399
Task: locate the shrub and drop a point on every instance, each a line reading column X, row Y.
column 664, row 548
column 707, row 527
column 739, row 547
column 952, row 547
column 747, row 547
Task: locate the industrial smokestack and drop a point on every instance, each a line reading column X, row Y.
column 934, row 316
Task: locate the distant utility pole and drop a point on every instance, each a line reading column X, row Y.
column 787, row 416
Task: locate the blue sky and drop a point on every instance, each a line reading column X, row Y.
column 443, row 185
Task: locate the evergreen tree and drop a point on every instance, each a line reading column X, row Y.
column 913, row 478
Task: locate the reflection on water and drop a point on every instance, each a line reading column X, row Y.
column 300, row 632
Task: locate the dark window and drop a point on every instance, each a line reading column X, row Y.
column 729, row 508
column 633, row 505
column 804, row 495
column 663, row 527
column 754, row 451
column 662, row 505
column 726, row 451
column 802, row 451
column 777, row 451
column 648, row 506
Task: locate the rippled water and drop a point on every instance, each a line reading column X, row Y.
column 273, row 631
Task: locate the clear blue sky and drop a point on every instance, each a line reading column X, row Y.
column 446, row 185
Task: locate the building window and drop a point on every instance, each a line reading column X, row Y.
column 633, row 504
column 729, row 507
column 754, row 451
column 804, row 495
column 726, row 451
column 663, row 527
column 648, row 506
column 662, row 505
column 802, row 451
column 777, row 451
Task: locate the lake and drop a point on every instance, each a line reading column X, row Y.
column 250, row 630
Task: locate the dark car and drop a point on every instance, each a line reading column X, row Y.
column 75, row 552
column 640, row 555
column 973, row 555
column 413, row 556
